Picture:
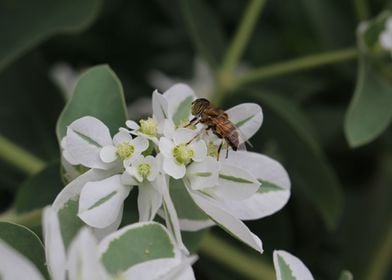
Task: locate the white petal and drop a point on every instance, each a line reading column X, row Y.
column 14, row 265
column 54, row 246
column 282, row 259
column 263, row 203
column 149, row 201
column 183, row 271
column 121, row 137
column 127, row 178
column 67, row 156
column 235, row 183
column 183, row 135
column 159, row 106
column 195, row 225
column 100, row 202
column 203, row 174
column 228, row 222
column 172, row 168
column 132, row 125
column 151, row 270
column 200, row 151
column 166, row 147
column 167, row 128
column 247, row 117
column 388, row 24
column 108, row 154
column 83, row 152
column 141, row 143
column 155, row 165
column 92, row 128
column 83, row 258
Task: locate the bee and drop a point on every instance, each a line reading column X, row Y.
column 217, row 121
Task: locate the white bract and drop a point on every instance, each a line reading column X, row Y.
column 176, row 170
column 386, row 36
column 117, row 256
column 288, row 266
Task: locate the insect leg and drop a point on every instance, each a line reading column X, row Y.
column 193, row 121
column 219, row 149
column 194, row 137
column 227, row 149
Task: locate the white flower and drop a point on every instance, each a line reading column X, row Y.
column 178, row 152
column 147, row 128
column 124, row 148
column 386, row 35
column 144, row 172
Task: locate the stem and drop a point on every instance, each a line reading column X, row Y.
column 242, row 35
column 28, row 219
column 361, row 9
column 221, row 251
column 298, row 64
column 19, row 157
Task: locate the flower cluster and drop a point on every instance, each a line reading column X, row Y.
column 175, row 168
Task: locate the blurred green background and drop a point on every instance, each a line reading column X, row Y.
column 340, row 213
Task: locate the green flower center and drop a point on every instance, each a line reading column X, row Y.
column 212, row 150
column 149, row 127
column 183, row 153
column 125, row 150
column 144, row 169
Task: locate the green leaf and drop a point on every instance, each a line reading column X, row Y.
column 285, row 270
column 136, row 244
column 346, row 275
column 25, row 24
column 204, row 29
column 98, row 93
column 369, row 113
column 39, row 190
column 307, row 165
column 25, row 242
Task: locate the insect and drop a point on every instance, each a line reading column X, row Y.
column 218, row 121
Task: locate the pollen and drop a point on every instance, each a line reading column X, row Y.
column 144, row 169
column 149, row 126
column 212, row 150
column 125, row 150
column 183, row 153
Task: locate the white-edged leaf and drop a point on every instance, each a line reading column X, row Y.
column 191, row 218
column 203, row 174
column 14, row 265
column 229, row 223
column 149, row 201
column 84, row 140
column 171, row 217
column 83, row 258
column 66, row 206
column 273, row 193
column 151, row 270
column 179, row 98
column 289, row 267
column 54, row 244
column 135, row 244
column 235, row 183
column 247, row 117
column 159, row 106
column 101, row 201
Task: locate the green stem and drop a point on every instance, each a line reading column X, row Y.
column 221, row 251
column 361, row 9
column 27, row 219
column 19, row 157
column 242, row 35
column 298, row 64
column 379, row 263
